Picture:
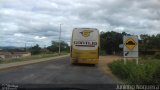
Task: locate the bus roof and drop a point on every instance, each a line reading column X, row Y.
column 86, row 28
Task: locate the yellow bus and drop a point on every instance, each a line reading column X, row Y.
column 85, row 46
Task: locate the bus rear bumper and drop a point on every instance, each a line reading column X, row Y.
column 83, row 61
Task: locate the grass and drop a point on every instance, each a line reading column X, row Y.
column 33, row 57
column 146, row 72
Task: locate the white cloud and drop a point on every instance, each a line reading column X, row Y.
column 39, row 38
column 18, row 35
column 35, row 21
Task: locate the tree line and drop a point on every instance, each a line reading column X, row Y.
column 111, row 40
column 53, row 48
column 109, row 44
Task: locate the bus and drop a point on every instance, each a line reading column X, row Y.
column 85, row 46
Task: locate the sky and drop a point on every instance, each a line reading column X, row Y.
column 38, row 21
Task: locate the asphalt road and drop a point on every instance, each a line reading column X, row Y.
column 58, row 71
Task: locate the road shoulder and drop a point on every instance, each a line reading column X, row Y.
column 103, row 66
column 15, row 64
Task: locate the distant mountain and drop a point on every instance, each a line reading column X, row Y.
column 7, row 47
column 10, row 47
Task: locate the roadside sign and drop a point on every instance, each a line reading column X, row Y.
column 130, row 43
column 130, row 47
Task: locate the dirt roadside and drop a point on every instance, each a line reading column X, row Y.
column 17, row 64
column 103, row 64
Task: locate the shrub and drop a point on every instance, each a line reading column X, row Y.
column 157, row 55
column 131, row 73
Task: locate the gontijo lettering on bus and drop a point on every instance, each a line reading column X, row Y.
column 85, row 43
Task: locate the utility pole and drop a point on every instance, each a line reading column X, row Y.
column 25, row 47
column 60, row 39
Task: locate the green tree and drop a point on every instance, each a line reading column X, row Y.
column 110, row 41
column 35, row 50
column 55, row 46
column 149, row 42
